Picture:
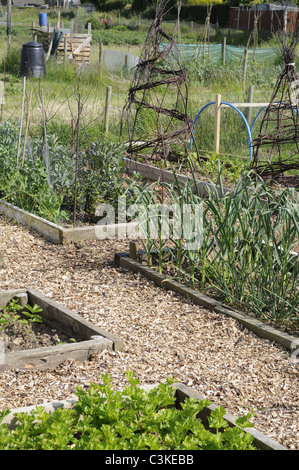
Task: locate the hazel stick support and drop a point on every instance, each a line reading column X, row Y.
column 107, row 106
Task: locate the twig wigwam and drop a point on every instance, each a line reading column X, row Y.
column 276, row 148
column 159, row 88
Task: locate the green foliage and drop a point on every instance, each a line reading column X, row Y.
column 48, row 189
column 25, row 184
column 99, row 176
column 9, row 315
column 233, row 167
column 251, row 263
column 11, row 62
column 229, row 76
column 32, row 314
column 246, row 255
column 116, row 35
column 132, row 419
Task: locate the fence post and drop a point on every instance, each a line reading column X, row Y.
column 1, row 100
column 8, row 24
column 107, row 106
column 33, row 26
column 224, row 51
column 245, row 67
column 65, row 49
column 217, row 123
column 100, row 54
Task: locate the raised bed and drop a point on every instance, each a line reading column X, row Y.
column 153, row 173
column 262, row 330
column 58, row 234
column 89, row 338
column 181, row 392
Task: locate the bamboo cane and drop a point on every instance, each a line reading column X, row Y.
column 27, row 125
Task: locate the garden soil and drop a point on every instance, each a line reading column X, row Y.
column 165, row 336
column 19, row 337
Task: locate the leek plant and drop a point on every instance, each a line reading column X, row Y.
column 153, row 223
column 251, row 260
column 246, row 255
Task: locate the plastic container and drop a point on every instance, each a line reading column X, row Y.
column 43, row 19
column 32, row 60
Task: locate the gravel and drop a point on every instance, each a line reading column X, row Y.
column 165, row 336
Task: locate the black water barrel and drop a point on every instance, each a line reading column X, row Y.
column 32, row 60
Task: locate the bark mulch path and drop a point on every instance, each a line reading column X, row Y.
column 164, row 334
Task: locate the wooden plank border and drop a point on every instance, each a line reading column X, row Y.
column 262, row 330
column 153, row 173
column 89, row 337
column 58, row 234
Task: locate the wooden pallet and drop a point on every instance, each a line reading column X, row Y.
column 73, row 46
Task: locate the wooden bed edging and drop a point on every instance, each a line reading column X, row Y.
column 89, row 338
column 262, row 330
column 58, row 234
column 154, row 174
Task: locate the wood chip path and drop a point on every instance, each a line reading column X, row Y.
column 164, row 334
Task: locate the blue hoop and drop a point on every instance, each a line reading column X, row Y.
column 238, row 111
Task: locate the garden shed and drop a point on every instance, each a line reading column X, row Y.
column 269, row 16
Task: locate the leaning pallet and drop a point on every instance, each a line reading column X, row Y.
column 71, row 46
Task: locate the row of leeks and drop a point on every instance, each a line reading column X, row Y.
column 245, row 241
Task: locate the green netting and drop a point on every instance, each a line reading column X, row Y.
column 114, row 61
column 261, row 54
column 212, row 51
column 215, row 53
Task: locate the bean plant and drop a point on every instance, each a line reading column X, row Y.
column 13, row 313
